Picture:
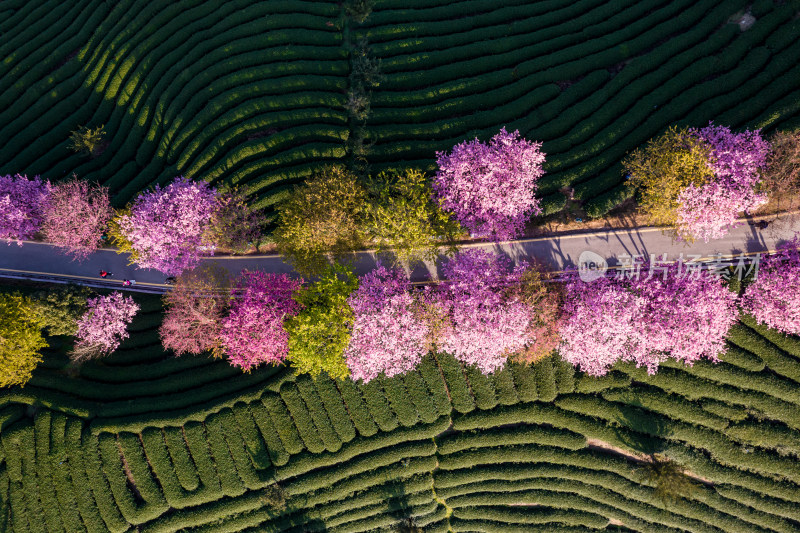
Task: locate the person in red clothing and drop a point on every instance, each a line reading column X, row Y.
column 126, row 283
column 104, row 274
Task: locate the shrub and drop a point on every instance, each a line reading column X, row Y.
column 22, row 202
column 358, row 10
column 321, row 220
column 252, row 333
column 274, row 497
column 104, row 325
column 163, row 229
column 194, row 310
column 490, row 187
column 86, row 140
column 75, row 215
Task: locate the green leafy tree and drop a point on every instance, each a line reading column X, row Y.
column 358, row 10
column 669, row 479
column 20, row 339
column 60, row 309
column 321, row 221
column 87, row 140
column 663, row 168
column 405, row 220
column 320, row 333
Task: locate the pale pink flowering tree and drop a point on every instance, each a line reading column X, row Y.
column 486, row 321
column 104, row 325
column 21, row 203
column 165, row 227
column 706, row 211
column 388, row 336
column 645, row 320
column 773, row 298
column 252, row 333
column 490, row 187
column 75, row 216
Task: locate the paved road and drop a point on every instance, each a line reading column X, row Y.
column 43, row 261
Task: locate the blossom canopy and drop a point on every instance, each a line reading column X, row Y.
column 253, row 333
column 165, row 227
column 490, row 187
column 21, row 203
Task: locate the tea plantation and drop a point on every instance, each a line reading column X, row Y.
column 148, row 442
column 255, row 93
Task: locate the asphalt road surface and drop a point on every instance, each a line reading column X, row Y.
column 45, row 262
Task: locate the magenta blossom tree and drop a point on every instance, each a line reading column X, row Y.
column 645, row 320
column 21, row 203
column 773, row 298
column 490, row 187
column 487, row 322
column 388, row 337
column 75, row 216
column 104, row 325
column 706, row 211
column 165, row 227
column 252, row 333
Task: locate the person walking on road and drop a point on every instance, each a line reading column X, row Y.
column 104, row 274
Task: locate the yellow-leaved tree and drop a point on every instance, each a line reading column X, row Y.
column 322, row 220
column 663, row 168
column 20, row 339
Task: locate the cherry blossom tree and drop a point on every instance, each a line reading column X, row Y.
column 194, row 310
column 164, row 228
column 104, row 326
column 21, row 203
column 487, row 322
column 645, row 320
column 490, row 187
column 773, row 297
column 388, row 336
column 253, row 332
column 75, row 216
column 707, row 210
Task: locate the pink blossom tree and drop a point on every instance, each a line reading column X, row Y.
column 773, row 297
column 164, row 228
column 707, row 210
column 21, row 203
column 194, row 309
column 104, row 326
column 486, row 321
column 75, row 216
column 490, row 187
column 252, row 333
column 388, row 336
column 645, row 320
